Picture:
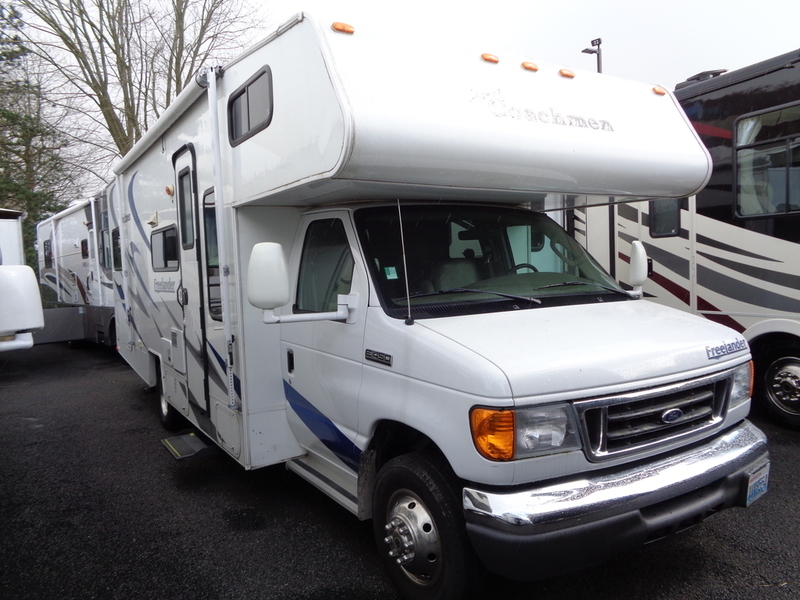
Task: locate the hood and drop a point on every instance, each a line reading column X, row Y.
column 567, row 349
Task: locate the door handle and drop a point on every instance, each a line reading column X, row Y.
column 183, row 296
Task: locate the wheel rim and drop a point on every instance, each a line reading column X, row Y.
column 413, row 538
column 783, row 385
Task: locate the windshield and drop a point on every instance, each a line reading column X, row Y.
column 465, row 259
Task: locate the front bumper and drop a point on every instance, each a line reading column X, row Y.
column 573, row 524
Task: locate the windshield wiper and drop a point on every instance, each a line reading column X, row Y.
column 461, row 290
column 598, row 285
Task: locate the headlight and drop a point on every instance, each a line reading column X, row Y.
column 742, row 385
column 511, row 434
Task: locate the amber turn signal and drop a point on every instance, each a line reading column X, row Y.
column 493, row 432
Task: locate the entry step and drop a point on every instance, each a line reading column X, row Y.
column 186, row 445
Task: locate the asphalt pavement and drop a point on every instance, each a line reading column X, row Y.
column 92, row 505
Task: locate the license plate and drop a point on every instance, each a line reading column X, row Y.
column 757, row 486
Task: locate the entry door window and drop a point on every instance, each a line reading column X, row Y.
column 326, row 268
column 185, row 209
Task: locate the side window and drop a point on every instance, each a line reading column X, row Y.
column 768, row 162
column 117, row 249
column 48, row 254
column 185, row 209
column 665, row 217
column 105, row 249
column 212, row 257
column 527, row 247
column 326, row 267
column 250, row 107
column 165, row 249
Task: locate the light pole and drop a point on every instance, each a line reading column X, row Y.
column 595, row 49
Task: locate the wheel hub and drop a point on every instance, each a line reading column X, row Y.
column 786, row 384
column 413, row 539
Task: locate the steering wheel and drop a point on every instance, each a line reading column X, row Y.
column 522, row 266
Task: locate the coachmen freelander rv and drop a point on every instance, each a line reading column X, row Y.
column 78, row 254
column 731, row 253
column 331, row 260
column 20, row 303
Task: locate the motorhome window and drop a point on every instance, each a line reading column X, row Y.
column 164, row 244
column 48, row 254
column 117, row 249
column 185, row 209
column 468, row 259
column 212, row 257
column 665, row 217
column 250, row 107
column 768, row 162
column 326, row 267
column 84, row 248
column 105, row 249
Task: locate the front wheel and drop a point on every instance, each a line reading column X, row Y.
column 779, row 384
column 419, row 529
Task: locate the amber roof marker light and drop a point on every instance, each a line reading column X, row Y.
column 659, row 90
column 529, row 66
column 490, row 58
column 343, row 27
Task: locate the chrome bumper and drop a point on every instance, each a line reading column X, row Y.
column 542, row 508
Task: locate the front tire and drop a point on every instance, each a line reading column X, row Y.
column 419, row 528
column 779, row 384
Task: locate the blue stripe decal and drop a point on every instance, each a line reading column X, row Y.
column 322, row 427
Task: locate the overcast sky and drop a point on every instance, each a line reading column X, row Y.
column 657, row 42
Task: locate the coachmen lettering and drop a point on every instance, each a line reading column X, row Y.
column 550, row 116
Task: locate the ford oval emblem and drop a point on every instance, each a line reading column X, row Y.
column 671, row 415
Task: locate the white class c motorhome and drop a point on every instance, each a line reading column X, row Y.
column 20, row 303
column 331, row 259
column 79, row 252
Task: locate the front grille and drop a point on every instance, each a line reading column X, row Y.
column 620, row 424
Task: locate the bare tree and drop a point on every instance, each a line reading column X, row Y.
column 129, row 59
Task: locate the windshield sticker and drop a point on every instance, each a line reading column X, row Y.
column 715, row 352
column 390, row 272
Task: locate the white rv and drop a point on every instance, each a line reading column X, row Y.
column 20, row 303
column 77, row 252
column 331, row 259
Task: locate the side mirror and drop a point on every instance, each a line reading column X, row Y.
column 267, row 277
column 639, row 268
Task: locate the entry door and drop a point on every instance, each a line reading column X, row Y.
column 191, row 293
